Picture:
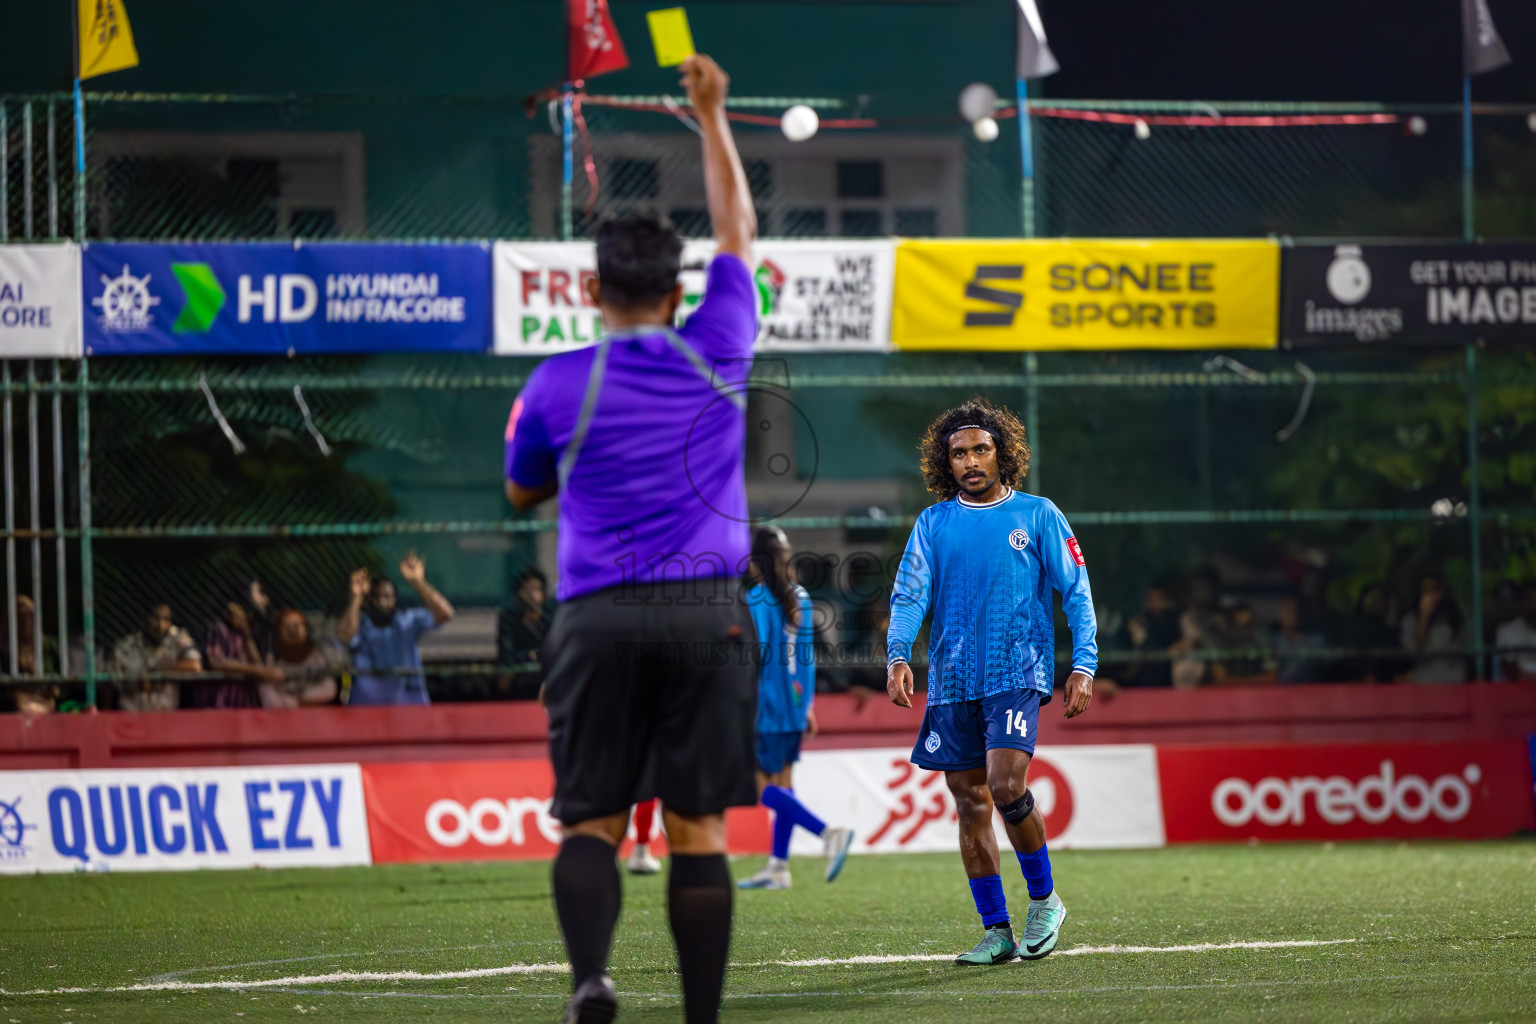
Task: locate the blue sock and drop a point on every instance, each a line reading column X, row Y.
column 783, row 828
column 991, row 904
column 1037, row 872
column 790, row 812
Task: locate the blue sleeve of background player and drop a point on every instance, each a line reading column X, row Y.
column 911, row 595
column 1068, row 573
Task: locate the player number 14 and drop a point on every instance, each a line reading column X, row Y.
column 1015, row 720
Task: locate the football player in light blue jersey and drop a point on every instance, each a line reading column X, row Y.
column 786, row 636
column 984, row 560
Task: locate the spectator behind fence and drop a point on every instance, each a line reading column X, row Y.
column 156, row 647
column 42, row 698
column 1241, row 633
column 305, row 670
column 1369, row 631
column 1200, row 628
column 1155, row 631
column 1431, row 629
column 1295, row 645
column 520, row 633
column 384, row 638
column 230, row 647
column 1519, row 632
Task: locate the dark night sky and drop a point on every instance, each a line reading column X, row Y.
column 1390, row 50
column 1385, row 50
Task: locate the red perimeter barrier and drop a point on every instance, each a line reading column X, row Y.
column 1336, row 713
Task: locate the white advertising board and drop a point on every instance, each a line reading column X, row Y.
column 40, row 301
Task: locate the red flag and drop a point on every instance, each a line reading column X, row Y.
column 596, row 47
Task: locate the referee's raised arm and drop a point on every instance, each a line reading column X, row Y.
column 725, row 181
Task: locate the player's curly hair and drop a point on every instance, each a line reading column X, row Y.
column 1005, row 428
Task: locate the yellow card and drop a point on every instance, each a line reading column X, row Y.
column 670, row 36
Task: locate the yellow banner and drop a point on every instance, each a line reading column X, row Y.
column 1075, row 294
column 106, row 40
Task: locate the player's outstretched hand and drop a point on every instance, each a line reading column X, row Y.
column 898, row 684
column 1078, row 693
column 705, row 82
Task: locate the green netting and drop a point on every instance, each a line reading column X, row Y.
column 218, row 166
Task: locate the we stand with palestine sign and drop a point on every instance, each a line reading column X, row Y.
column 1409, row 294
column 830, row 296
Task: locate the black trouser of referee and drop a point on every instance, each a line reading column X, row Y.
column 651, row 696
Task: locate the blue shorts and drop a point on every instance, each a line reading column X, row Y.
column 956, row 737
column 777, row 751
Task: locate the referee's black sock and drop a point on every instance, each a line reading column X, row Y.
column 587, row 896
column 699, row 893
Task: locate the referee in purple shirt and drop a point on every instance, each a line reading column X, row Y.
column 650, row 679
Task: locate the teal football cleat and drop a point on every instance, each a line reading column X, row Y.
column 838, row 842
column 996, row 947
column 1042, row 927
column 774, row 876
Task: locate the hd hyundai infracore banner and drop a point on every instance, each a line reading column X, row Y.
column 1390, row 295
column 220, row 299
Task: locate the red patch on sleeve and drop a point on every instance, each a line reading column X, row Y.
column 1077, row 551
column 517, row 410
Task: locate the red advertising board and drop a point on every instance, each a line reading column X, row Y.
column 1346, row 791
column 488, row 810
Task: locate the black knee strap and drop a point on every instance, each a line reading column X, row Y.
column 1016, row 812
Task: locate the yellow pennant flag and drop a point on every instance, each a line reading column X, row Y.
column 106, row 41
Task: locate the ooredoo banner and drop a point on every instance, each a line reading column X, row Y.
column 152, row 819
column 1076, row 294
column 488, row 810
column 40, row 301
column 1092, row 797
column 147, row 299
column 1409, row 294
column 819, row 296
column 1461, row 790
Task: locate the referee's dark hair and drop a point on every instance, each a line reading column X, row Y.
column 639, row 256
column 1006, row 431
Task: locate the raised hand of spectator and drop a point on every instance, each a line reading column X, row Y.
column 361, row 581
column 413, row 569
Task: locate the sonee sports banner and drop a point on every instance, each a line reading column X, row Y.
column 1026, row 294
column 285, row 299
column 1395, row 295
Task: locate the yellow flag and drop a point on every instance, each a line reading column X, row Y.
column 106, row 41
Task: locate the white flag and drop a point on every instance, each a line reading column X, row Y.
column 1035, row 59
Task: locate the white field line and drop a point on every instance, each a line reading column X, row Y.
column 556, row 968
column 1202, row 947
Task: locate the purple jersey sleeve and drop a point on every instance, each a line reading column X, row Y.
column 530, row 460
column 724, row 326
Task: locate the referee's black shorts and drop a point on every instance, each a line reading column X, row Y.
column 649, row 697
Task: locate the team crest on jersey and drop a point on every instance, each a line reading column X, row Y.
column 931, row 744
column 1019, row 539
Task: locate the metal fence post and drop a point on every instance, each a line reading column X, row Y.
column 35, row 518
column 26, row 170
column 1032, row 421
column 87, row 566
column 5, row 174
column 1475, row 515
column 10, row 526
column 60, row 555
column 53, row 176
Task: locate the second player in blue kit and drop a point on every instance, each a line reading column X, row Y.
column 985, row 560
column 786, row 691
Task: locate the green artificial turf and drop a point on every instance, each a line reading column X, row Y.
column 1443, row 932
